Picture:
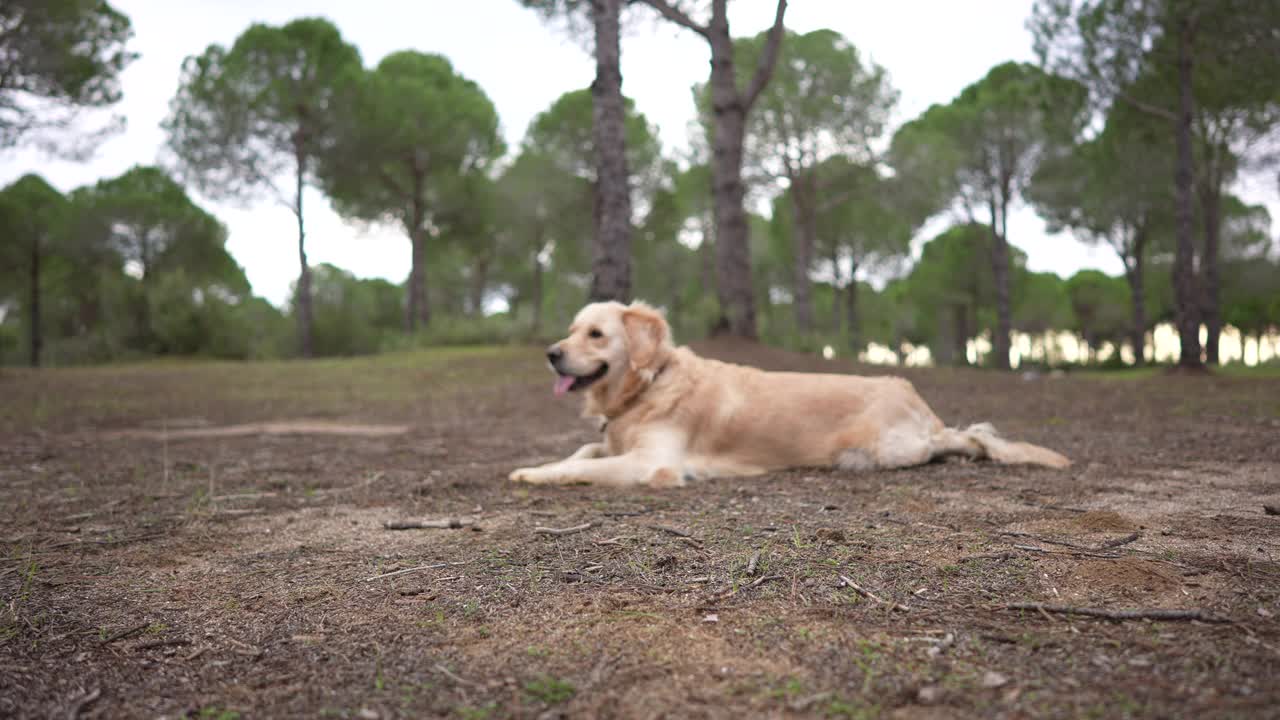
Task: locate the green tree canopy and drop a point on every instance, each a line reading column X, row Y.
column 255, row 120
column 32, row 219
column 148, row 220
column 409, row 133
column 985, row 145
column 60, row 56
column 824, row 101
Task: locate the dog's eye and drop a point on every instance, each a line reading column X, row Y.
column 595, row 333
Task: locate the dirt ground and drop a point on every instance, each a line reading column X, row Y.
column 159, row 563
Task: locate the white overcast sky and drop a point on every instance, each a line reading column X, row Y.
column 931, row 48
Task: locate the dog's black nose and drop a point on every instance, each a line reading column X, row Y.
column 554, row 354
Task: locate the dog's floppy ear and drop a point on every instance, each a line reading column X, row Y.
column 647, row 335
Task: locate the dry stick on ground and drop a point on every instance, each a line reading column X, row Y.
column 674, row 531
column 1080, row 553
column 1040, row 538
column 243, row 496
column 409, row 570
column 162, row 643
column 1140, row 614
column 125, row 633
column 461, row 681
column 1119, row 541
column 541, row 530
column 872, row 596
column 79, row 704
column 452, row 523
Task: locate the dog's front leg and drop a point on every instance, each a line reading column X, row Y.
column 616, row 471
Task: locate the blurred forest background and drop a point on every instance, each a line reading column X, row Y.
column 799, row 218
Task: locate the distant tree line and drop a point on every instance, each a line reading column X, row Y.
column 1130, row 133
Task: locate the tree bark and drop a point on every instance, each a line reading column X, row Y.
column 802, row 203
column 1133, row 273
column 733, row 253
column 729, row 107
column 1186, row 297
column 302, row 299
column 34, row 334
column 611, row 252
column 536, row 292
column 960, row 329
column 417, row 310
column 1000, row 277
column 1211, row 206
column 479, row 281
column 851, row 310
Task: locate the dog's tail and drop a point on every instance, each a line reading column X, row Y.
column 982, row 441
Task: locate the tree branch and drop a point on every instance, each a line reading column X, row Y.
column 677, row 16
column 768, row 60
column 1148, row 108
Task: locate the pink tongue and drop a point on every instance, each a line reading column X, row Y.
column 563, row 383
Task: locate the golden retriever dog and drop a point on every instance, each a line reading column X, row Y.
column 670, row 416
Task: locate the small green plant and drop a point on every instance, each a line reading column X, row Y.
column 549, row 690
column 467, row 712
column 216, row 713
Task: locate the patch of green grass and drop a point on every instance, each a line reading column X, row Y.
column 212, row 712
column 841, row 708
column 549, row 690
column 466, row 712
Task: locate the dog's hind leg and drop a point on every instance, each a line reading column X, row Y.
column 982, row 441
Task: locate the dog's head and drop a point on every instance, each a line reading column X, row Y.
column 610, row 346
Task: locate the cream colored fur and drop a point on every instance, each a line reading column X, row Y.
column 673, row 416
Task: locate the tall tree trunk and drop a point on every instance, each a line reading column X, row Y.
column 34, row 334
column 1186, row 297
column 1211, row 205
column 1137, row 289
column 417, row 310
column 302, row 299
column 802, row 204
column 836, row 292
column 611, row 252
column 1000, row 276
column 729, row 107
column 479, row 281
column 960, row 328
column 852, row 324
column 536, row 292
column 733, row 252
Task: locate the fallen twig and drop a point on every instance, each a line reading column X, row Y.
column 1119, row 541
column 674, row 531
column 452, row 523
column 162, row 643
column 626, row 513
column 1081, row 553
column 410, row 570
column 243, row 496
column 612, row 540
column 195, row 653
column 1138, row 614
column 461, row 681
column 542, row 530
column 753, row 562
column 872, row 596
column 1042, row 539
column 79, row 704
column 126, row 633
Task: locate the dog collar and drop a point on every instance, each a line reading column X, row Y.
column 604, row 423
